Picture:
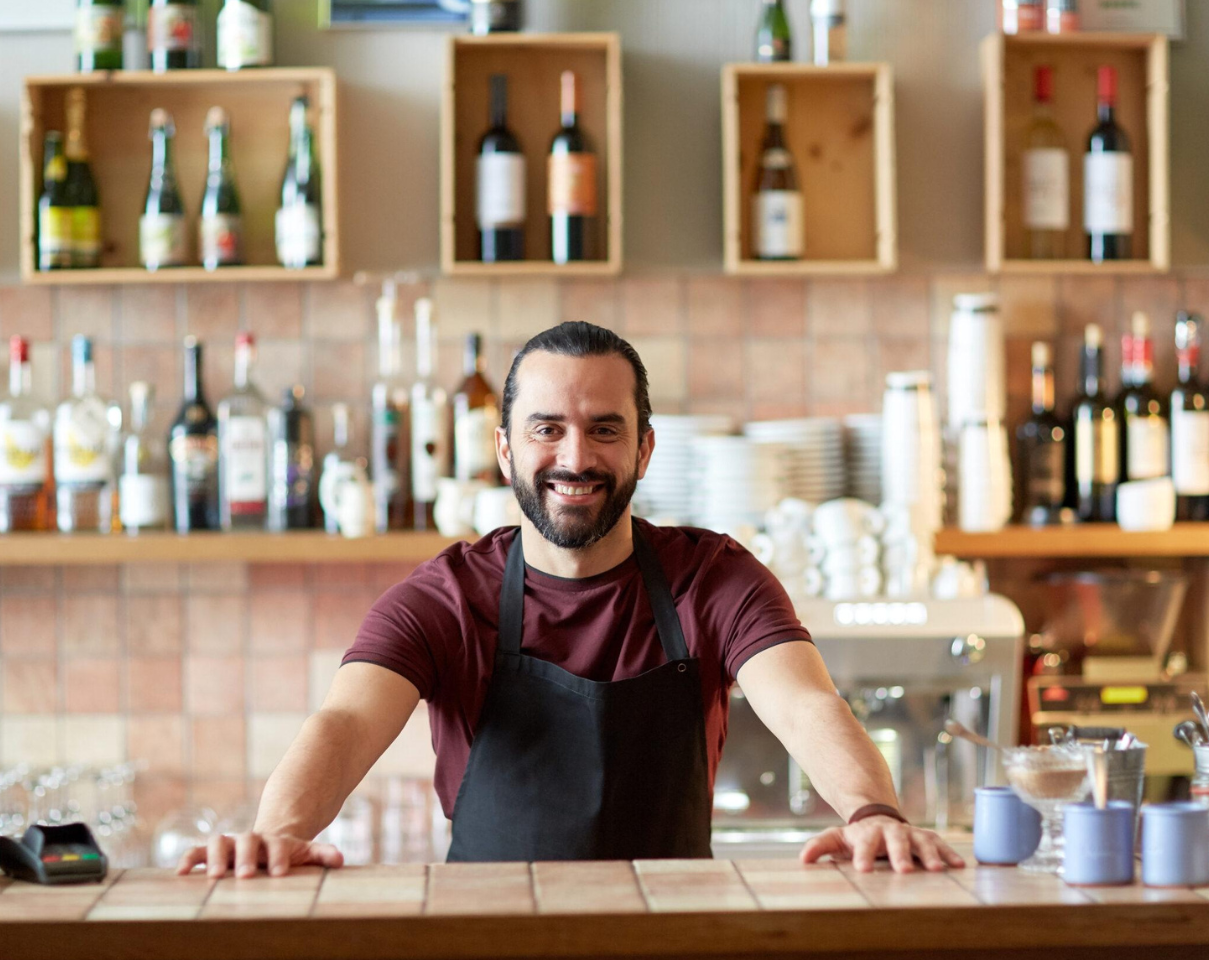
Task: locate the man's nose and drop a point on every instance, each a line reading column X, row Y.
column 575, row 453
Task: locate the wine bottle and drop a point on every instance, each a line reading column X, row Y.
column 24, row 428
column 389, row 446
column 299, row 219
column 338, row 463
column 476, row 414
column 98, row 34
column 80, row 189
column 292, row 480
column 162, row 238
column 1189, row 424
column 245, row 34
column 220, row 225
column 500, row 174
column 243, row 457
column 777, row 228
column 173, row 35
column 83, row 464
column 1041, row 441
column 1096, row 437
column 1046, row 175
column 1108, row 179
column 429, row 422
column 571, row 174
column 1142, row 412
column 193, row 452
column 143, row 482
column 773, row 39
column 54, row 211
column 495, row 16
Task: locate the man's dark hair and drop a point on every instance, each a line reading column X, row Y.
column 578, row 339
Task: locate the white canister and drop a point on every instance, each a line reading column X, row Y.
column 911, row 471
column 977, row 387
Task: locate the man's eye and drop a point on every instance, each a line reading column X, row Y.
column 545, row 431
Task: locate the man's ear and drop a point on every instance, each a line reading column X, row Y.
column 645, row 449
column 503, row 453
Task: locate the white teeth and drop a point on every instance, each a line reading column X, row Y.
column 571, row 491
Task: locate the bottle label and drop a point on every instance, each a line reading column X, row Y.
column 22, row 454
column 572, row 178
column 86, row 235
column 293, row 469
column 54, row 236
column 1097, row 453
column 81, row 450
column 1046, row 480
column 143, row 500
column 1108, row 193
column 99, row 29
column 219, row 235
column 195, row 461
column 777, row 223
column 427, row 447
column 171, row 27
column 245, row 36
column 162, row 241
column 244, row 464
column 1190, row 452
column 298, row 235
column 1147, row 447
column 1046, row 189
column 384, row 468
column 501, row 190
column 474, row 442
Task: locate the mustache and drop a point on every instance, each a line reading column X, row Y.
column 566, row 476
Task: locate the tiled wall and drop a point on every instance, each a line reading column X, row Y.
column 207, row 670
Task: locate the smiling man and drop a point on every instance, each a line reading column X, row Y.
column 577, row 670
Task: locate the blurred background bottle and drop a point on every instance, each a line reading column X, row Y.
column 83, row 465
column 143, row 481
column 292, row 480
column 24, row 464
column 193, row 452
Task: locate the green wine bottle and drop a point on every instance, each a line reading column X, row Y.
column 245, row 34
column 773, row 40
column 81, row 189
column 173, row 35
column 54, row 214
column 99, row 28
column 162, row 240
column 220, row 227
column 299, row 219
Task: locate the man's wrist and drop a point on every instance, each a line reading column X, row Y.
column 876, row 810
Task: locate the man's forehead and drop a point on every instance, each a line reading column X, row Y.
column 594, row 384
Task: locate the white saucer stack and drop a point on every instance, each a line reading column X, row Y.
column 665, row 492
column 863, row 453
column 815, row 454
column 734, row 482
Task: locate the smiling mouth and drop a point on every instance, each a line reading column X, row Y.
column 574, row 491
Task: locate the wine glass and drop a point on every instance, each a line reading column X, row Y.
column 1047, row 778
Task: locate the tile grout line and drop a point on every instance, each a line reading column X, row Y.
column 748, row 887
column 426, row 907
column 642, row 891
column 310, row 913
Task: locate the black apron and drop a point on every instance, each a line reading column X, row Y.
column 564, row 768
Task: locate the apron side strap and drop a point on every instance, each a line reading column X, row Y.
column 512, row 598
column 671, row 636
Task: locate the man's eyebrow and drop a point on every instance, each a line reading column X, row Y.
column 560, row 418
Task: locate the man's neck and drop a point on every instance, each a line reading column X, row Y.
column 605, row 554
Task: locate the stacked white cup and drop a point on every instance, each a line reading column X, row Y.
column 786, row 548
column 846, row 546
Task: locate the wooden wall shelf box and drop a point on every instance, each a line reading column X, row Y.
column 119, row 105
column 1142, row 110
column 841, row 135
column 532, row 62
column 1083, row 540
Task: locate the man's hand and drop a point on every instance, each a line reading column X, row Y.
column 246, row 852
column 866, row 840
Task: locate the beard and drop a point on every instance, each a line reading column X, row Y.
column 572, row 527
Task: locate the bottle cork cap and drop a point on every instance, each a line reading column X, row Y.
column 1093, row 336
column 1041, row 354
column 1139, row 324
column 216, row 117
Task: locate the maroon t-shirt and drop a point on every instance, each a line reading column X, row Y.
column 439, row 628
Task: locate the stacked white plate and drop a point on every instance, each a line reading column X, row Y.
column 815, row 452
column 863, row 451
column 735, row 481
column 665, row 492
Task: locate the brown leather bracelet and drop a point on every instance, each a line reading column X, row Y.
column 876, row 810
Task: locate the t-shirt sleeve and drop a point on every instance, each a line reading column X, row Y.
column 408, row 630
column 748, row 606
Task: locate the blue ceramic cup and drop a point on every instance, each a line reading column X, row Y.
column 1099, row 844
column 1006, row 829
column 1175, row 845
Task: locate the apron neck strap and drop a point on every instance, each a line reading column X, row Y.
column 667, row 623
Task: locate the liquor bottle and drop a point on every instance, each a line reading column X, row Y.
column 773, row 40
column 83, row 465
column 1142, row 412
column 243, row 460
column 292, row 480
column 338, row 463
column 54, row 212
column 500, row 194
column 173, row 35
column 80, row 189
column 1046, row 175
column 1097, row 464
column 776, row 216
column 1190, row 425
column 429, row 422
column 476, row 414
column 495, row 16
column 571, row 174
column 24, row 428
column 828, row 32
column 220, row 224
column 299, row 220
column 1061, row 16
column 143, row 482
column 1041, row 441
column 1107, row 179
column 162, row 238
column 100, row 25
column 193, row 452
column 389, row 447
column 245, row 34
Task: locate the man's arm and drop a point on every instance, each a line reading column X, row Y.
column 791, row 692
column 364, row 711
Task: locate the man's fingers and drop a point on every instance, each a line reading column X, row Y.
column 927, row 848
column 190, row 859
column 247, row 854
column 218, row 855
column 280, row 855
column 867, row 848
column 898, row 847
column 949, row 855
column 324, row 854
column 829, row 842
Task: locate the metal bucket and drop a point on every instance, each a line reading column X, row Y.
column 1126, row 768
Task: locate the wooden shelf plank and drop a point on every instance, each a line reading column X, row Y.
column 246, row 274
column 813, row 268
column 1083, row 540
column 303, row 546
column 534, row 268
column 1083, row 267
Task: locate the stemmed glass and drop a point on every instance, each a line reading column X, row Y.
column 1047, row 778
